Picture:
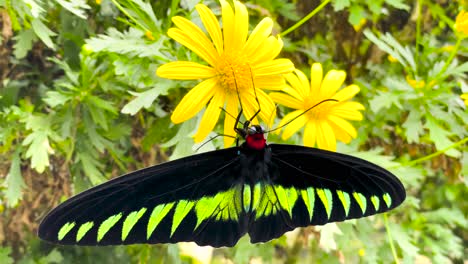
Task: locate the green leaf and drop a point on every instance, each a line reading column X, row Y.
column 54, row 98
column 77, row 7
column 91, row 167
column 144, row 99
column 38, row 150
column 413, row 126
column 391, row 46
column 403, row 239
column 457, row 70
column 340, row 4
column 440, row 136
column 384, row 100
column 53, row 257
column 155, row 134
column 43, row 32
column 14, row 181
column 132, row 43
column 356, row 14
column 398, row 4
column 23, row 43
column 5, row 255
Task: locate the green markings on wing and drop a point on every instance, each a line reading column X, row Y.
column 361, row 200
column 130, row 221
column 181, row 211
column 65, row 229
column 387, row 199
column 262, row 200
column 326, row 198
column 159, row 212
column 107, row 225
column 225, row 206
column 345, row 201
column 308, row 196
column 269, row 199
column 84, row 228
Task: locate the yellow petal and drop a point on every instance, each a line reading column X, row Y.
column 286, row 100
column 241, row 24
column 268, row 111
column 212, row 26
column 345, row 125
column 258, row 36
column 348, row 110
column 267, row 51
column 275, row 82
column 291, row 91
column 316, row 73
column 278, row 66
column 194, row 101
column 185, row 70
column 346, row 93
column 210, row 117
column 298, row 122
column 251, row 106
column 340, row 134
column 204, row 51
column 230, row 119
column 331, row 83
column 228, row 26
column 305, row 86
column 295, row 83
column 310, row 134
column 325, row 136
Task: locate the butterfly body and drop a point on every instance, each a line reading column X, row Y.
column 215, row 198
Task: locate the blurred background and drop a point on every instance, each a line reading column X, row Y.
column 80, row 103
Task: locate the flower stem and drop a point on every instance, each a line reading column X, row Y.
column 302, row 21
column 390, row 239
column 430, row 156
column 450, row 59
column 418, row 35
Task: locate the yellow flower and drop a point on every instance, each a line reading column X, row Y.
column 415, row 83
column 359, row 25
column 234, row 59
column 149, row 35
column 461, row 23
column 98, row 2
column 327, row 122
column 391, row 59
column 465, row 97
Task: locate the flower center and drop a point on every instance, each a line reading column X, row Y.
column 234, row 72
column 318, row 112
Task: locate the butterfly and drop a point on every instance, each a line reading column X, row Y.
column 215, row 198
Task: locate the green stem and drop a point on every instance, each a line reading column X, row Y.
column 390, row 239
column 302, row 21
column 450, row 59
column 428, row 157
column 128, row 15
column 418, row 34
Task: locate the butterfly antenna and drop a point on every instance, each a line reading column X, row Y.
column 212, row 138
column 256, row 97
column 303, row 113
column 239, row 131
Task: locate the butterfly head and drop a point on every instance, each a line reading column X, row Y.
column 255, row 137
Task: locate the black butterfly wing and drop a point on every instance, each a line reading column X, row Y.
column 307, row 186
column 191, row 199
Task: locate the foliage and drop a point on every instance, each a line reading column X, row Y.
column 80, row 103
